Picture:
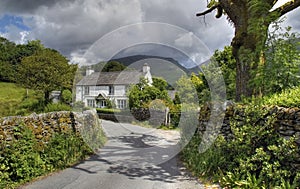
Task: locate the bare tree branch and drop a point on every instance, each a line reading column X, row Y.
column 287, row 7
column 208, row 10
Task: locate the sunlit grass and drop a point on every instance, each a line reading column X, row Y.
column 14, row 100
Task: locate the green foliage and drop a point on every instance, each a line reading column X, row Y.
column 66, row 96
column 25, row 158
column 160, row 83
column 287, row 98
column 206, row 164
column 110, row 103
column 15, row 100
column 227, row 63
column 19, row 159
column 186, row 90
column 55, row 107
column 142, row 94
column 79, row 107
column 108, row 110
column 279, row 68
column 11, row 56
column 257, row 156
column 47, row 70
column 113, row 66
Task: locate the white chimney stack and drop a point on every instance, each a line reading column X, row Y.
column 147, row 73
column 89, row 71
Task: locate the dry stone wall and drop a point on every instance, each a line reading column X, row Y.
column 287, row 120
column 45, row 125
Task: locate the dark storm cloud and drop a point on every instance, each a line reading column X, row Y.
column 28, row 6
column 72, row 26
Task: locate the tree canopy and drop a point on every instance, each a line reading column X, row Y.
column 12, row 54
column 251, row 19
column 142, row 94
column 47, row 70
column 113, row 66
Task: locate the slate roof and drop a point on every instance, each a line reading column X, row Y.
column 111, row 78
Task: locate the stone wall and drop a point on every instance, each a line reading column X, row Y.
column 45, row 125
column 154, row 117
column 287, row 120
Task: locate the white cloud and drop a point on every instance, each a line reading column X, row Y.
column 72, row 26
column 185, row 40
column 279, row 4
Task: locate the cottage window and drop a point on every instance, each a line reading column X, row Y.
column 111, row 90
column 86, row 90
column 102, row 104
column 121, row 104
column 91, row 103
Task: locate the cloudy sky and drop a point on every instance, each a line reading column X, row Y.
column 74, row 27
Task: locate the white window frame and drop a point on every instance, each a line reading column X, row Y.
column 91, row 103
column 86, row 90
column 121, row 103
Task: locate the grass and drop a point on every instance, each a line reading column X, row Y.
column 14, row 100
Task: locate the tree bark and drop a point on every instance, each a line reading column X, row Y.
column 251, row 20
column 47, row 97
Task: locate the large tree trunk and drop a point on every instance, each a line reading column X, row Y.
column 247, row 44
column 251, row 19
column 247, row 48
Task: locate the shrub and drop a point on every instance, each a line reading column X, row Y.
column 107, row 110
column 287, row 98
column 57, row 107
column 66, row 96
column 257, row 156
column 25, row 157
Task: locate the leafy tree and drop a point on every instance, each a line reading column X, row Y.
column 47, row 70
column 12, row 54
column 280, row 68
column 113, row 66
column 227, row 64
column 251, row 19
column 7, row 49
column 142, row 94
column 160, row 83
column 186, row 90
column 66, row 96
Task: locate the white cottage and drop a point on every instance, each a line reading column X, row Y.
column 97, row 87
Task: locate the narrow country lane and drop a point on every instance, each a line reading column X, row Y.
column 133, row 158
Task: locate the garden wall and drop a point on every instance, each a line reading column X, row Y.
column 45, row 125
column 287, row 120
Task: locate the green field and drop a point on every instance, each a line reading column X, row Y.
column 15, row 101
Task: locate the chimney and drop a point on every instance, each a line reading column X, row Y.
column 147, row 73
column 89, row 71
column 146, row 68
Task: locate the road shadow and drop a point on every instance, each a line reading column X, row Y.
column 118, row 160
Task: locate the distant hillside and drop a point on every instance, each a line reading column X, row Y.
column 127, row 61
column 168, row 68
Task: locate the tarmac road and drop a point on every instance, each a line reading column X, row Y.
column 133, row 158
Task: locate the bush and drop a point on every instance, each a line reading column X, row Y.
column 108, row 110
column 25, row 157
column 287, row 98
column 57, row 107
column 66, row 96
column 257, row 156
